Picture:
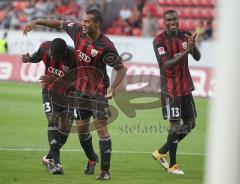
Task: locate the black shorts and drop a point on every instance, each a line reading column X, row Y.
column 176, row 108
column 96, row 107
column 51, row 107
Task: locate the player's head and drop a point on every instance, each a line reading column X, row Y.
column 91, row 21
column 58, row 48
column 171, row 20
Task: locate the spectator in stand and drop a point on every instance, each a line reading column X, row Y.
column 151, row 6
column 134, row 22
column 140, row 4
column 135, row 19
column 92, row 4
column 4, row 44
column 200, row 30
column 149, row 25
column 125, row 12
column 209, row 30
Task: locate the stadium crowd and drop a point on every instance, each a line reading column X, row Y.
column 133, row 18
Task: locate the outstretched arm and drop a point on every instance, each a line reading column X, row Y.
column 52, row 23
column 195, row 51
column 118, row 79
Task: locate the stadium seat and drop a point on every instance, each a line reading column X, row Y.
column 2, row 15
column 137, row 32
column 150, row 8
column 187, row 12
column 177, row 2
column 196, row 12
column 162, row 2
column 186, row 2
column 187, row 24
column 204, row 2
column 179, row 11
column 196, row 2
column 20, row 5
column 212, row 2
column 210, row 13
column 171, row 2
column 161, row 12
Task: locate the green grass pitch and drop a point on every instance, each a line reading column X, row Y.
column 23, row 142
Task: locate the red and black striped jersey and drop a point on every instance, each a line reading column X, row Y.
column 93, row 56
column 52, row 67
column 175, row 81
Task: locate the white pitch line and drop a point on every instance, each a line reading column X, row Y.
column 78, row 150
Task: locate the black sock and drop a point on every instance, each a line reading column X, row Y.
column 62, row 140
column 86, row 143
column 105, row 145
column 173, row 143
column 53, row 139
column 164, row 149
column 49, row 155
column 181, row 136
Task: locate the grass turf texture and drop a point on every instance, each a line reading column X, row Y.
column 23, row 125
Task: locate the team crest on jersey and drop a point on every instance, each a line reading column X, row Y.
column 65, row 68
column 94, row 52
column 184, row 45
column 161, row 50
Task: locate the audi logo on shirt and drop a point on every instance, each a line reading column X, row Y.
column 56, row 71
column 84, row 57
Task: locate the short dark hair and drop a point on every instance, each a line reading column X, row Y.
column 58, row 47
column 96, row 13
column 170, row 11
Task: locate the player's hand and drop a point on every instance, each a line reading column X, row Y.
column 110, row 93
column 26, row 58
column 28, row 27
column 47, row 79
column 191, row 40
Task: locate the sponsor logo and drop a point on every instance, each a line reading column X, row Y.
column 142, row 78
column 56, row 71
column 108, row 151
column 53, row 141
column 94, row 52
column 84, row 57
column 32, row 72
column 5, row 70
column 161, row 50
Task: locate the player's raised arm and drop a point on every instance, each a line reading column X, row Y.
column 52, row 23
column 195, row 51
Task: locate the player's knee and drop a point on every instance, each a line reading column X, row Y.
column 84, row 136
column 189, row 124
column 52, row 120
column 102, row 131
